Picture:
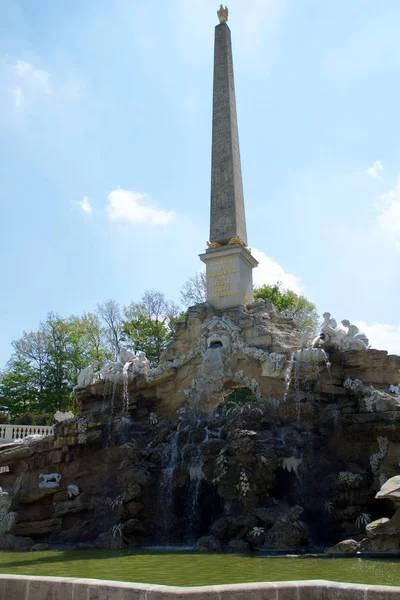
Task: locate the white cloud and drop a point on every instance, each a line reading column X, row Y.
column 33, row 77
column 134, row 207
column 85, row 205
column 375, row 169
column 382, row 336
column 29, row 87
column 388, row 220
column 270, row 272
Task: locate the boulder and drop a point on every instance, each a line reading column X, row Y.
column 77, row 504
column 85, row 546
column 239, row 546
column 131, row 529
column 384, row 527
column 286, row 534
column 28, row 528
column 345, row 547
column 129, row 510
column 40, row 547
column 212, row 447
column 108, row 541
column 13, row 542
column 382, row 544
column 208, row 543
column 227, row 528
column 267, row 516
column 37, row 494
column 256, row 537
column 135, row 476
column 132, row 491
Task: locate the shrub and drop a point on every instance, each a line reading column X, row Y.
column 4, row 418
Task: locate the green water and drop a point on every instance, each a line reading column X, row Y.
column 189, row 569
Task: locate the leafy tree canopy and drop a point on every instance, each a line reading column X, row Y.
column 290, row 304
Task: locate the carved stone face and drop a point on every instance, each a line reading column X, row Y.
column 222, row 337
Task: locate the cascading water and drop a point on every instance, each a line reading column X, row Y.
column 169, row 461
column 309, row 360
column 288, row 376
column 125, row 378
column 206, row 390
column 196, row 476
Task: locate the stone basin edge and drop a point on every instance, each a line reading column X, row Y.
column 26, row 587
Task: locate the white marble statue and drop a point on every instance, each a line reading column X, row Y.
column 129, row 362
column 305, row 336
column 63, row 416
column 347, row 338
column 354, row 339
column 126, row 356
column 87, row 375
column 73, row 491
column 153, row 419
column 50, row 480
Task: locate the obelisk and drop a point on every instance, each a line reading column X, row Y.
column 229, row 262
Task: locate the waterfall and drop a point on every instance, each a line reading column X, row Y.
column 308, row 360
column 196, row 476
column 169, row 461
column 288, row 376
column 206, row 389
column 125, row 378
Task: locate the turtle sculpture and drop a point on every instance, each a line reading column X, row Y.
column 384, row 534
column 390, row 489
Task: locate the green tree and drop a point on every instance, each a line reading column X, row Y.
column 111, row 314
column 32, row 346
column 194, row 291
column 18, row 388
column 148, row 325
column 290, row 304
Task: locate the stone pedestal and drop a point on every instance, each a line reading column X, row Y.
column 229, row 276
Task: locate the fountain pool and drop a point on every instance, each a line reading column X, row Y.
column 190, row 569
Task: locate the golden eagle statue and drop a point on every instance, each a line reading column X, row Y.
column 223, row 14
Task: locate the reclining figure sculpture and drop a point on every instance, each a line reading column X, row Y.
column 349, row 338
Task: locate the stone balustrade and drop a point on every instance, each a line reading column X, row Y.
column 10, row 433
column 16, row 587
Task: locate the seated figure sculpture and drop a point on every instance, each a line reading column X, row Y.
column 87, row 375
column 129, row 362
column 344, row 339
column 354, row 339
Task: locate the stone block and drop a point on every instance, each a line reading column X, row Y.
column 12, row 542
column 75, row 505
column 229, row 276
column 38, row 527
column 51, row 588
column 14, row 588
column 37, row 494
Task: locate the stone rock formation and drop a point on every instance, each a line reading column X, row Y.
column 383, row 535
column 157, row 456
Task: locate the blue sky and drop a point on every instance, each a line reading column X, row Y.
column 105, row 130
